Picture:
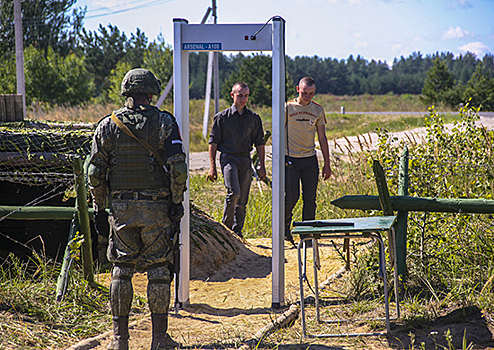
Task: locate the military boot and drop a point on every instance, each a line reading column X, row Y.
column 161, row 339
column 120, row 339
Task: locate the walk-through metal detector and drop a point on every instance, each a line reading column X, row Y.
column 234, row 37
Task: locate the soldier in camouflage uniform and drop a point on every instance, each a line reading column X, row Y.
column 144, row 199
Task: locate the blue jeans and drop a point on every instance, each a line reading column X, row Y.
column 305, row 171
column 237, row 173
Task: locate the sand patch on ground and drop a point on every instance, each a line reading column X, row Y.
column 232, row 303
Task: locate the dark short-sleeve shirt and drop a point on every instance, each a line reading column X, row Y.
column 235, row 133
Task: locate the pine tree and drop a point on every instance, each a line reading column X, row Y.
column 480, row 88
column 439, row 80
column 46, row 23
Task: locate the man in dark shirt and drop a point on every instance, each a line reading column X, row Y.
column 234, row 132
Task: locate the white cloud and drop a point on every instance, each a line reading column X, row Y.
column 400, row 50
column 361, row 44
column 357, row 35
column 455, row 33
column 477, row 48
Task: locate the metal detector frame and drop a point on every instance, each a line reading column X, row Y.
column 234, row 37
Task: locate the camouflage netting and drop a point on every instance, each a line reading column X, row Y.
column 212, row 245
column 39, row 156
column 36, row 168
column 41, row 153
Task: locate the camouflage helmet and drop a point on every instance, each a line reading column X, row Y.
column 140, row 81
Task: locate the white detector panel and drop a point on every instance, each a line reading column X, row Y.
column 234, row 37
column 226, row 37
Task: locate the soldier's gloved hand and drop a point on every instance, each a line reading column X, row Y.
column 101, row 223
column 176, row 212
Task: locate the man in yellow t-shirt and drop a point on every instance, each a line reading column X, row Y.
column 303, row 119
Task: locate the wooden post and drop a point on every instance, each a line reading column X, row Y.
column 402, row 219
column 39, row 213
column 423, row 204
column 63, row 278
column 384, row 200
column 82, row 209
column 382, row 188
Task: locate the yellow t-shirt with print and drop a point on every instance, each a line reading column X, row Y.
column 301, row 124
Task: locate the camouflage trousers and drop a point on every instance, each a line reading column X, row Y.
column 141, row 233
column 141, row 238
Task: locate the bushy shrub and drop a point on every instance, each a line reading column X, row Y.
column 447, row 253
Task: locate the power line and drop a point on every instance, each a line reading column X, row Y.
column 141, row 6
column 37, row 20
column 114, row 7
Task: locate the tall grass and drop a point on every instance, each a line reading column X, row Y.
column 350, row 177
column 32, row 319
column 85, row 113
column 339, row 125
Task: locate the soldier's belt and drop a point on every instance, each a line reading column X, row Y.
column 139, row 196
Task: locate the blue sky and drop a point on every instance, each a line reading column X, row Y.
column 375, row 29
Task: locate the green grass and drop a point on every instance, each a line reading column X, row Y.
column 373, row 103
column 31, row 318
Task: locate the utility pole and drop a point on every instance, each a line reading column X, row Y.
column 212, row 70
column 19, row 54
column 216, row 68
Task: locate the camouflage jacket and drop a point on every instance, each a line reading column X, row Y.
column 163, row 134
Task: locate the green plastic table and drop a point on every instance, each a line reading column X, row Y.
column 349, row 228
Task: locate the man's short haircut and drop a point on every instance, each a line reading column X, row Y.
column 239, row 84
column 308, row 81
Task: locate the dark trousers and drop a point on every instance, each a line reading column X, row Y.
column 303, row 171
column 237, row 173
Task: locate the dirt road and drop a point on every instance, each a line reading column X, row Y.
column 199, row 161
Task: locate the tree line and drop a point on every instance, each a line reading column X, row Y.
column 65, row 63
